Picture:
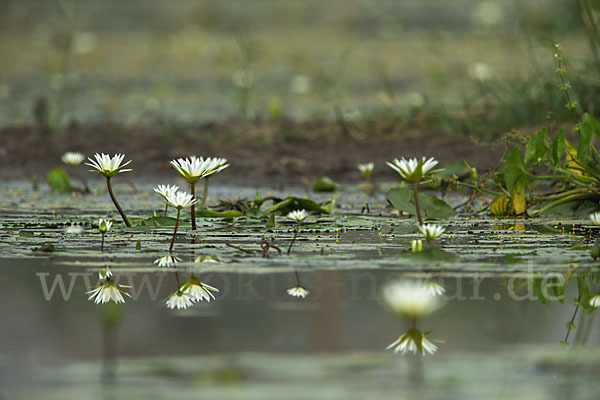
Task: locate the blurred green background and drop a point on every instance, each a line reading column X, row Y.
column 467, row 65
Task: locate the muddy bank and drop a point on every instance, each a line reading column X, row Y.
column 258, row 152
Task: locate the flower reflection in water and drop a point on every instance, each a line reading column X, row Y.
column 107, row 289
column 413, row 299
column 167, row 261
column 198, row 290
column 179, row 300
column 192, row 291
column 413, row 341
column 298, row 290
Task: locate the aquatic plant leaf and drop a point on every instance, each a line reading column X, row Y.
column 253, row 212
column 432, row 207
column 585, row 140
column 296, row 203
column 157, row 221
column 558, row 146
column 573, row 163
column 458, row 168
column 258, row 199
column 499, row 206
column 58, row 180
column 537, row 147
column 514, row 170
column 592, row 123
column 271, row 221
column 518, row 204
column 540, row 293
column 219, row 214
column 584, row 293
column 575, row 207
column 558, row 288
column 324, row 184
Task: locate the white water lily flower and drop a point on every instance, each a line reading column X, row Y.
column 107, row 165
column 214, row 165
column 179, row 300
column 195, row 168
column 432, row 231
column 366, row 169
column 416, row 245
column 72, row 158
column 181, row 199
column 434, row 288
column 104, row 225
column 412, row 170
column 595, row 301
column 198, row 290
column 165, row 190
column 413, row 341
column 167, row 261
column 595, row 217
column 298, row 291
column 410, row 298
column 298, row 215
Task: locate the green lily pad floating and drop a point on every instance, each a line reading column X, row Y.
column 158, row 221
column 431, row 207
column 296, row 203
column 219, row 214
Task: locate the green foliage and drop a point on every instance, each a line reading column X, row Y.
column 219, row 214
column 324, row 184
column 296, row 203
column 59, row 180
column 559, row 146
column 537, row 147
column 514, row 170
column 402, row 199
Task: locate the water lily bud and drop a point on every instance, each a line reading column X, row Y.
column 416, row 246
column 104, row 225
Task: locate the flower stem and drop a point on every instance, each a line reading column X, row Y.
column 570, row 324
column 294, row 239
column 166, row 208
column 114, row 200
column 175, row 231
column 205, row 194
column 193, row 209
column 177, row 278
column 415, row 191
column 102, row 243
column 297, row 278
column 479, row 188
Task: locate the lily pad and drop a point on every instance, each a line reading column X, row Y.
column 403, row 200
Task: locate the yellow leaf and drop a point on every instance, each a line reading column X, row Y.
column 499, row 206
column 517, row 202
column 573, row 164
